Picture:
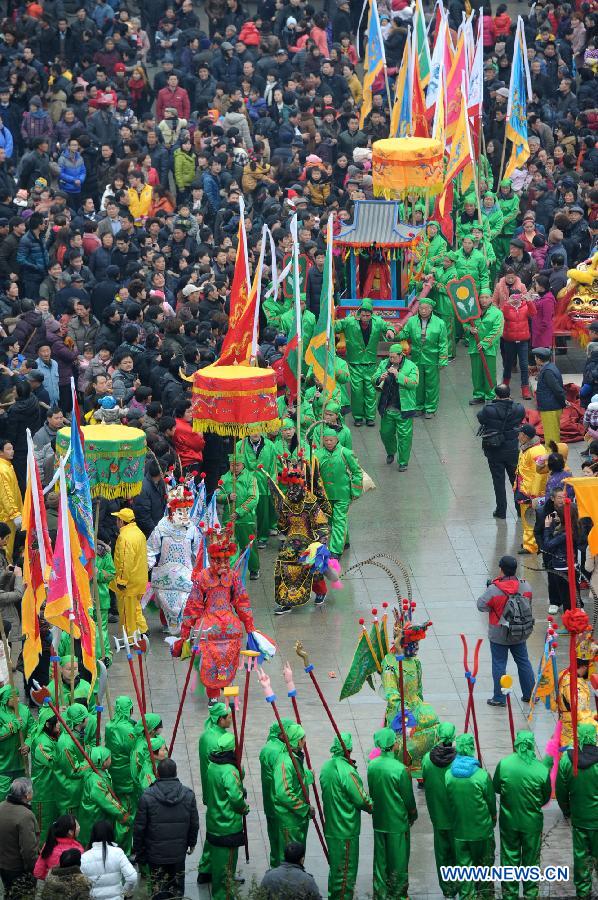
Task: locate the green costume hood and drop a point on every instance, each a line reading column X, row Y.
column 336, row 748
column 287, row 423
column 82, row 691
column 99, row 755
column 366, row 305
column 446, row 732
column 153, row 721
column 427, row 300
column 330, row 432
column 157, row 742
column 226, row 743
column 295, row 733
column 123, row 708
column 525, row 746
column 586, row 735
column 215, row 712
column 465, row 745
column 65, row 660
column 75, row 714
column 396, row 348
column 385, row 739
column 6, row 694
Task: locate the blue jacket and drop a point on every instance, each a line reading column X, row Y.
column 6, row 141
column 211, row 187
column 72, row 169
column 550, row 393
column 32, row 254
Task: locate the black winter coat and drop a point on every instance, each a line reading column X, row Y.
column 166, row 824
column 149, row 505
column 505, row 415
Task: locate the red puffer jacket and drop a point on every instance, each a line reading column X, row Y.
column 517, row 318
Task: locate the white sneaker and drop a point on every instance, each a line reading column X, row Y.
column 553, row 610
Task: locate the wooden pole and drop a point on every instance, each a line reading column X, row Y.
column 399, row 659
column 72, row 640
column 96, row 599
column 15, row 699
column 572, row 636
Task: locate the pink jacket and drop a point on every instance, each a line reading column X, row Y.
column 43, row 866
column 543, row 321
column 501, row 291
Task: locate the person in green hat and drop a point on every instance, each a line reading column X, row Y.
column 238, row 494
column 268, row 756
column 467, row 218
column 469, row 261
column 427, row 337
column 482, row 243
column 291, row 809
column 106, row 572
column 363, row 332
column 508, row 202
column 523, row 783
column 397, row 378
column 308, row 323
column 286, row 443
column 218, row 722
column 224, row 815
column 99, row 802
column 140, row 753
column 493, row 216
column 332, row 416
column 69, row 668
column 434, row 767
column 342, row 478
column 12, row 758
column 577, row 796
column 44, row 750
column 434, row 247
column 275, row 307
column 473, row 805
column 343, row 798
column 484, row 335
column 146, row 775
column 389, row 786
column 120, row 739
column 258, row 455
column 443, row 272
column 314, row 395
column 71, row 765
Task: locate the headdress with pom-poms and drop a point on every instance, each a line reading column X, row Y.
column 220, row 542
column 406, row 633
column 179, row 498
column 293, row 471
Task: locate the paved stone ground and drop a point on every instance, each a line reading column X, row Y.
column 437, row 519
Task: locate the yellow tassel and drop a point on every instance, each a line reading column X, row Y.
column 236, row 429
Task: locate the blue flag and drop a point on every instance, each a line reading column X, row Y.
column 79, row 497
column 516, row 121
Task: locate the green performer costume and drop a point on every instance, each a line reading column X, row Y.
column 508, row 202
column 120, row 739
column 224, row 816
column 275, row 308
column 397, row 381
column 340, row 394
column 106, row 572
column 362, row 338
column 394, row 813
column 268, row 756
column 427, row 336
column 291, row 810
column 11, row 758
column 44, row 749
column 286, row 442
column 208, row 743
column 314, row 397
column 434, row 768
column 146, row 775
column 434, row 247
column 523, row 783
column 343, row 798
column 140, row 752
column 243, row 508
column 98, row 802
column 71, row 765
column 444, row 272
column 493, row 216
column 471, row 262
column 473, row 805
column 489, row 330
column 83, row 688
column 308, row 324
column 342, row 478
column 333, row 419
column 258, row 455
column 577, row 796
column 483, row 243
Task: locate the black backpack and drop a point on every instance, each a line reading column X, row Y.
column 517, row 617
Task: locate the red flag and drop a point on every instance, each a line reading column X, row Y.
column 444, row 217
column 232, row 350
column 419, row 121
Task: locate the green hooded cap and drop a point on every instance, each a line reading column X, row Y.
column 586, row 735
column 396, row 348
column 6, row 694
column 153, row 721
column 45, row 714
column 157, row 742
column 385, row 739
column 75, row 714
column 366, row 305
column 65, row 660
column 525, row 745
column 330, row 432
column 446, row 732
column 427, row 300
column 332, row 407
column 287, row 423
column 82, row 691
column 425, row 715
column 336, row 748
column 226, row 742
column 99, row 755
column 217, row 711
column 123, row 708
column 295, row 733
column 506, row 182
column 274, row 732
column 465, row 745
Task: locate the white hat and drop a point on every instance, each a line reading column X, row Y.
column 291, row 21
column 190, row 289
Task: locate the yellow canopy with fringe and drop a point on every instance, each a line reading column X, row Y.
column 407, row 166
column 115, row 458
column 235, row 400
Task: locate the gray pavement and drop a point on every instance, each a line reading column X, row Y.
column 437, row 519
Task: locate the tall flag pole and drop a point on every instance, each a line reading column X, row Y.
column 422, row 44
column 419, row 123
column 37, row 561
column 461, row 154
column 438, row 62
column 258, row 295
column 454, row 84
column 239, row 296
column 293, row 352
column 400, row 120
column 320, row 353
column 519, row 93
column 375, row 61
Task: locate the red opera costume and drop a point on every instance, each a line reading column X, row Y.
column 215, row 615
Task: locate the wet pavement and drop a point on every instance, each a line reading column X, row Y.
column 436, row 518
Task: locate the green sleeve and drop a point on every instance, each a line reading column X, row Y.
column 250, row 502
column 390, row 683
column 490, row 797
column 355, row 472
column 354, row 789
column 443, row 348
column 339, row 325
column 106, row 569
column 406, row 792
column 546, row 788
column 495, row 331
column 231, row 782
column 287, row 795
column 496, row 781
column 104, row 800
column 562, row 785
column 411, row 380
column 407, row 329
column 379, row 372
column 483, row 277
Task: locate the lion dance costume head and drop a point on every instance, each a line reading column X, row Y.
column 577, row 303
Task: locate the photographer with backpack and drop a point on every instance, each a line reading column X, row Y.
column 508, row 602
